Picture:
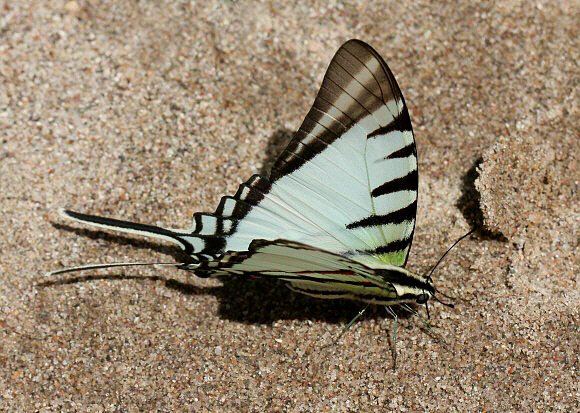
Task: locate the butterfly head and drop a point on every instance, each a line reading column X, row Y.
column 424, row 289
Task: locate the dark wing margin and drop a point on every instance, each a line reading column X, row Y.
column 356, row 84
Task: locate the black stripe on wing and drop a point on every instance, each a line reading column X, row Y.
column 401, row 123
column 350, row 295
column 393, row 246
column 399, row 216
column 404, row 152
column 404, row 183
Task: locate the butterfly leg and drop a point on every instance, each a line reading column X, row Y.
column 395, row 322
column 426, row 324
column 356, row 317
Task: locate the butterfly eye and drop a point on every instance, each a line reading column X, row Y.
column 422, row 298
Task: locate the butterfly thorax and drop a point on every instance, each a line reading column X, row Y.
column 407, row 286
column 410, row 287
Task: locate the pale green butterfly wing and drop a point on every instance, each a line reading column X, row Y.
column 346, row 184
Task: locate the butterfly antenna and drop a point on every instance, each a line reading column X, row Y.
column 439, row 262
column 395, row 322
column 356, row 317
column 449, row 249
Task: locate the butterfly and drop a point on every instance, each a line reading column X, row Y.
column 336, row 216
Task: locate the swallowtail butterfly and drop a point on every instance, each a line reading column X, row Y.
column 336, row 216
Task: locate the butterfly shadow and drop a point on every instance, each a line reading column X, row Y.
column 278, row 141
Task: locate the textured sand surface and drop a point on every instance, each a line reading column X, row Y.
column 152, row 110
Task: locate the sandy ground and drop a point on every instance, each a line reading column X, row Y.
column 151, row 111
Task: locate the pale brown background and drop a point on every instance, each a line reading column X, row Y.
column 151, row 110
